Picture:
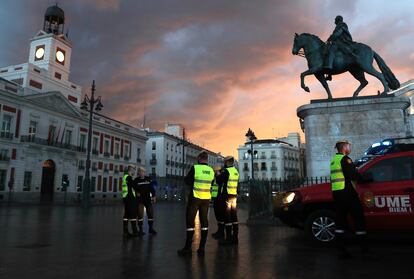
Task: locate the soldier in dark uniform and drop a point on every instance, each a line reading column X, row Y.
column 340, row 39
column 344, row 176
column 218, row 204
column 144, row 186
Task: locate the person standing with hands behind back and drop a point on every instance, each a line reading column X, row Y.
column 144, row 187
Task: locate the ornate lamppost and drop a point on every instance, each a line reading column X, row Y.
column 89, row 104
column 251, row 138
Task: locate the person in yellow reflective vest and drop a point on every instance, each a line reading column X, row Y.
column 218, row 205
column 229, row 178
column 129, row 198
column 199, row 178
column 344, row 176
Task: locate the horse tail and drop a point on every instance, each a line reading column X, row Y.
column 392, row 81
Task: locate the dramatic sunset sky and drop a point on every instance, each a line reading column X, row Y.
column 218, row 67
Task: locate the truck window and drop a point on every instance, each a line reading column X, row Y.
column 393, row 169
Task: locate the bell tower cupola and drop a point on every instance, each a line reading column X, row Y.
column 54, row 20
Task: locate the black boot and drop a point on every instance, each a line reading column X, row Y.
column 141, row 230
column 343, row 253
column 365, row 249
column 220, row 232
column 151, row 227
column 134, row 228
column 228, row 239
column 203, row 240
column 186, row 250
column 235, row 233
column 125, row 229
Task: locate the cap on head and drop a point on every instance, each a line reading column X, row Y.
column 229, row 161
column 340, row 144
column 228, row 158
column 203, row 156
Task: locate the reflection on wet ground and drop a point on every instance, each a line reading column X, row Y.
column 67, row 242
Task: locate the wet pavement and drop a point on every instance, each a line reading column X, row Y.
column 64, row 242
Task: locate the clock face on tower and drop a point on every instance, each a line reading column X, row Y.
column 40, row 52
column 60, row 56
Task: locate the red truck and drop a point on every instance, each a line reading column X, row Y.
column 387, row 201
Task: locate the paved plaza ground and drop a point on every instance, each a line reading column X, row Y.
column 65, row 242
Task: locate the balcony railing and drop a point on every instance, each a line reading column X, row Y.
column 6, row 135
column 263, row 157
column 263, row 168
column 245, row 169
column 167, row 162
column 116, row 156
column 273, row 157
column 46, row 142
column 126, row 158
column 153, row 162
column 94, row 168
column 138, row 160
column 106, row 170
column 81, row 167
column 4, row 158
column 107, row 154
column 95, row 152
column 273, row 168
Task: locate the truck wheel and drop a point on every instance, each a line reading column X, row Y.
column 320, row 225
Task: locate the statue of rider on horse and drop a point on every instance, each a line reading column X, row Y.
column 341, row 54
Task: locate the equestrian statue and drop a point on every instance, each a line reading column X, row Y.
column 338, row 55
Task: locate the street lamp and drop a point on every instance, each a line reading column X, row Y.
column 251, row 137
column 89, row 104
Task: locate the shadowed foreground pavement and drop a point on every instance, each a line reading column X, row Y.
column 58, row 242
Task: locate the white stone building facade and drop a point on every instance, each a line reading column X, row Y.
column 43, row 132
column 165, row 155
column 274, row 160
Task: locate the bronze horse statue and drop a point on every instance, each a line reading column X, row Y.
column 357, row 63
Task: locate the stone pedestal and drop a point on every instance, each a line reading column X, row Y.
column 361, row 121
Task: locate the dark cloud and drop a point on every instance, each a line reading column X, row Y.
column 204, row 63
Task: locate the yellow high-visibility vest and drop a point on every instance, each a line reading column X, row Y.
column 203, row 177
column 337, row 175
column 233, row 181
column 214, row 189
column 125, row 186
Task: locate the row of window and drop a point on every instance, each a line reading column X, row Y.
column 63, row 136
column 263, row 166
column 262, row 155
column 105, row 183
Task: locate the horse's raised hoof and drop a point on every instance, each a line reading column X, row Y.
column 306, row 89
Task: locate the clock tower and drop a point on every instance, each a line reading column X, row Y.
column 48, row 68
column 51, row 49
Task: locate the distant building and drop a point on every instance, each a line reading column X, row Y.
column 275, row 159
column 166, row 160
column 43, row 136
